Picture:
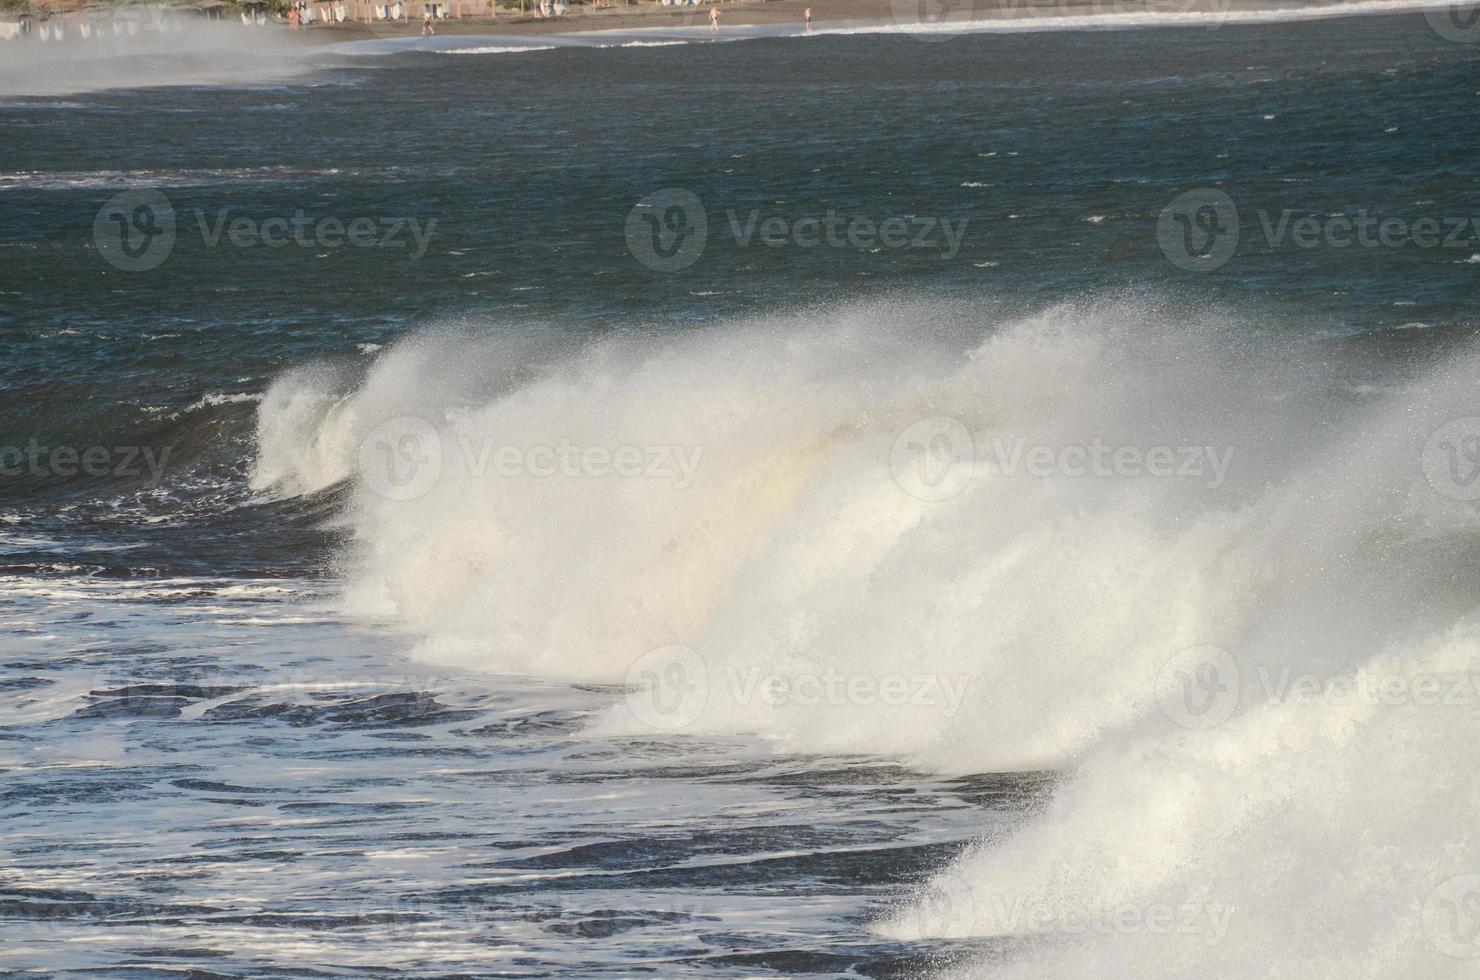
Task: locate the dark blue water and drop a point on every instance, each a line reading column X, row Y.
column 1058, row 151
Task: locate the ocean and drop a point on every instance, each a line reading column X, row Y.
column 894, row 503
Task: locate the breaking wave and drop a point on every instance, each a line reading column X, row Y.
column 1179, row 556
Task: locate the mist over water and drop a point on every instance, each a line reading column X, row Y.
column 136, row 46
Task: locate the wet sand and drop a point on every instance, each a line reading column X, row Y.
column 825, row 14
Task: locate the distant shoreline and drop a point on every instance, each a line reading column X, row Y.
column 826, row 14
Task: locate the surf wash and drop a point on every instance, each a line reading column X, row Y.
column 331, row 232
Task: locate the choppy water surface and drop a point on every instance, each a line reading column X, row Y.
column 265, row 712
column 206, row 775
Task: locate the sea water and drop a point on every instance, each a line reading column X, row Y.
column 800, row 506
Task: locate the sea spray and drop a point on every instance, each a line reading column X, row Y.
column 800, row 546
column 1115, row 625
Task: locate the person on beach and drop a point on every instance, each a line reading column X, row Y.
column 714, row 20
column 426, row 21
column 807, row 19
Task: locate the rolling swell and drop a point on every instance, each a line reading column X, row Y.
column 167, row 493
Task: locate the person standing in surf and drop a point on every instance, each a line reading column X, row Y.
column 807, row 19
column 714, row 20
column 426, row 22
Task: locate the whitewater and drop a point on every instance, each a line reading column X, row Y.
column 1069, row 610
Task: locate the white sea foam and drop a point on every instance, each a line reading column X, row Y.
column 1047, row 18
column 189, row 177
column 501, row 49
column 1045, row 609
column 157, row 48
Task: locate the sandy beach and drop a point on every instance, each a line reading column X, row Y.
column 826, row 14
